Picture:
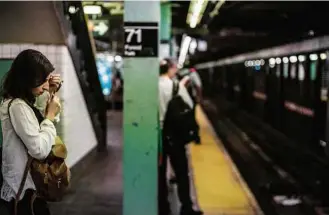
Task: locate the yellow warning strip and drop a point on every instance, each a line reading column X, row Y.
column 219, row 187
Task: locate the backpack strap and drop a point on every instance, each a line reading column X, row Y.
column 175, row 88
column 26, row 170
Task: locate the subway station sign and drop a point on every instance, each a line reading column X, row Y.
column 141, row 39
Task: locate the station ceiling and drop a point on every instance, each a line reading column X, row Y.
column 243, row 26
column 239, row 26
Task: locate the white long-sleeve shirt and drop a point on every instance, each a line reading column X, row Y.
column 38, row 140
column 165, row 95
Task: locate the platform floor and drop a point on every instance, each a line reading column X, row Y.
column 99, row 190
column 219, row 187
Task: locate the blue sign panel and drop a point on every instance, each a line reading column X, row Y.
column 105, row 74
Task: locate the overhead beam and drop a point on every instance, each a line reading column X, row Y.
column 190, row 31
column 304, row 46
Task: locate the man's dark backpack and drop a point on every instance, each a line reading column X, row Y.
column 179, row 123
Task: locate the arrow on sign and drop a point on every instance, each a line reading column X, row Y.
column 101, row 28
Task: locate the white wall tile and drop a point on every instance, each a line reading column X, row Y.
column 6, row 51
column 14, row 50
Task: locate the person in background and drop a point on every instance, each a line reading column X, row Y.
column 175, row 151
column 196, row 86
column 192, row 81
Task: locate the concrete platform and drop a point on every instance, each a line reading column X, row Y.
column 99, row 188
column 219, row 187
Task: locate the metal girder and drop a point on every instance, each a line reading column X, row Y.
column 190, row 31
column 304, row 46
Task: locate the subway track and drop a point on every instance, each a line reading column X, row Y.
column 284, row 178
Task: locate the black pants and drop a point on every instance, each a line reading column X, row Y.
column 179, row 163
column 24, row 207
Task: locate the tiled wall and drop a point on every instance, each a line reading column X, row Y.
column 75, row 126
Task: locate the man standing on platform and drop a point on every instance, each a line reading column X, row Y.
column 172, row 148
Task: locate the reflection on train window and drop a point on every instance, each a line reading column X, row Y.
column 285, row 70
column 313, row 70
column 271, row 62
column 301, row 72
column 325, row 76
column 313, row 66
column 293, row 71
column 278, row 68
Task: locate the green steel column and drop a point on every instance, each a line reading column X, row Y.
column 5, row 65
column 165, row 21
column 141, row 130
column 165, row 29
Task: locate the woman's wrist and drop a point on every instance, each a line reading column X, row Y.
column 51, row 117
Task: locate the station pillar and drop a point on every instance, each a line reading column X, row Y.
column 165, row 30
column 141, row 127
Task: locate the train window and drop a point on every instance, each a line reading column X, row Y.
column 325, row 76
column 293, row 71
column 271, row 62
column 301, row 72
column 313, row 66
column 285, row 67
column 278, row 72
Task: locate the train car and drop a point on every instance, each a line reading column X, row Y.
column 284, row 86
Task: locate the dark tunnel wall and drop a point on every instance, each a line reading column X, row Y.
column 29, row 22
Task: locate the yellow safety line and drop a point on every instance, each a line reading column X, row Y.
column 219, row 187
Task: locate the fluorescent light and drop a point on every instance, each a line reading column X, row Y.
column 216, row 9
column 196, row 10
column 92, row 9
column 202, row 46
column 193, row 46
column 72, row 9
column 278, row 60
column 293, row 59
column 313, row 57
column 262, row 62
column 301, row 58
column 323, row 56
column 184, row 49
column 110, row 58
column 106, row 91
column 285, row 60
column 118, row 58
column 272, row 61
column 105, row 78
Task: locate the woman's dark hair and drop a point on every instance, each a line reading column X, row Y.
column 165, row 65
column 29, row 70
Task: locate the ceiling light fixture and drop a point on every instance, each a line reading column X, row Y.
column 195, row 12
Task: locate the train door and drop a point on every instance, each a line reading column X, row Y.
column 249, row 88
column 321, row 109
column 221, row 80
column 205, row 77
column 258, row 93
column 307, row 75
column 216, row 82
column 230, row 80
column 224, row 72
column 238, row 70
column 315, row 100
column 273, row 92
column 288, row 117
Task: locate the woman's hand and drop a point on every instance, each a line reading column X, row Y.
column 55, row 82
column 53, row 108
